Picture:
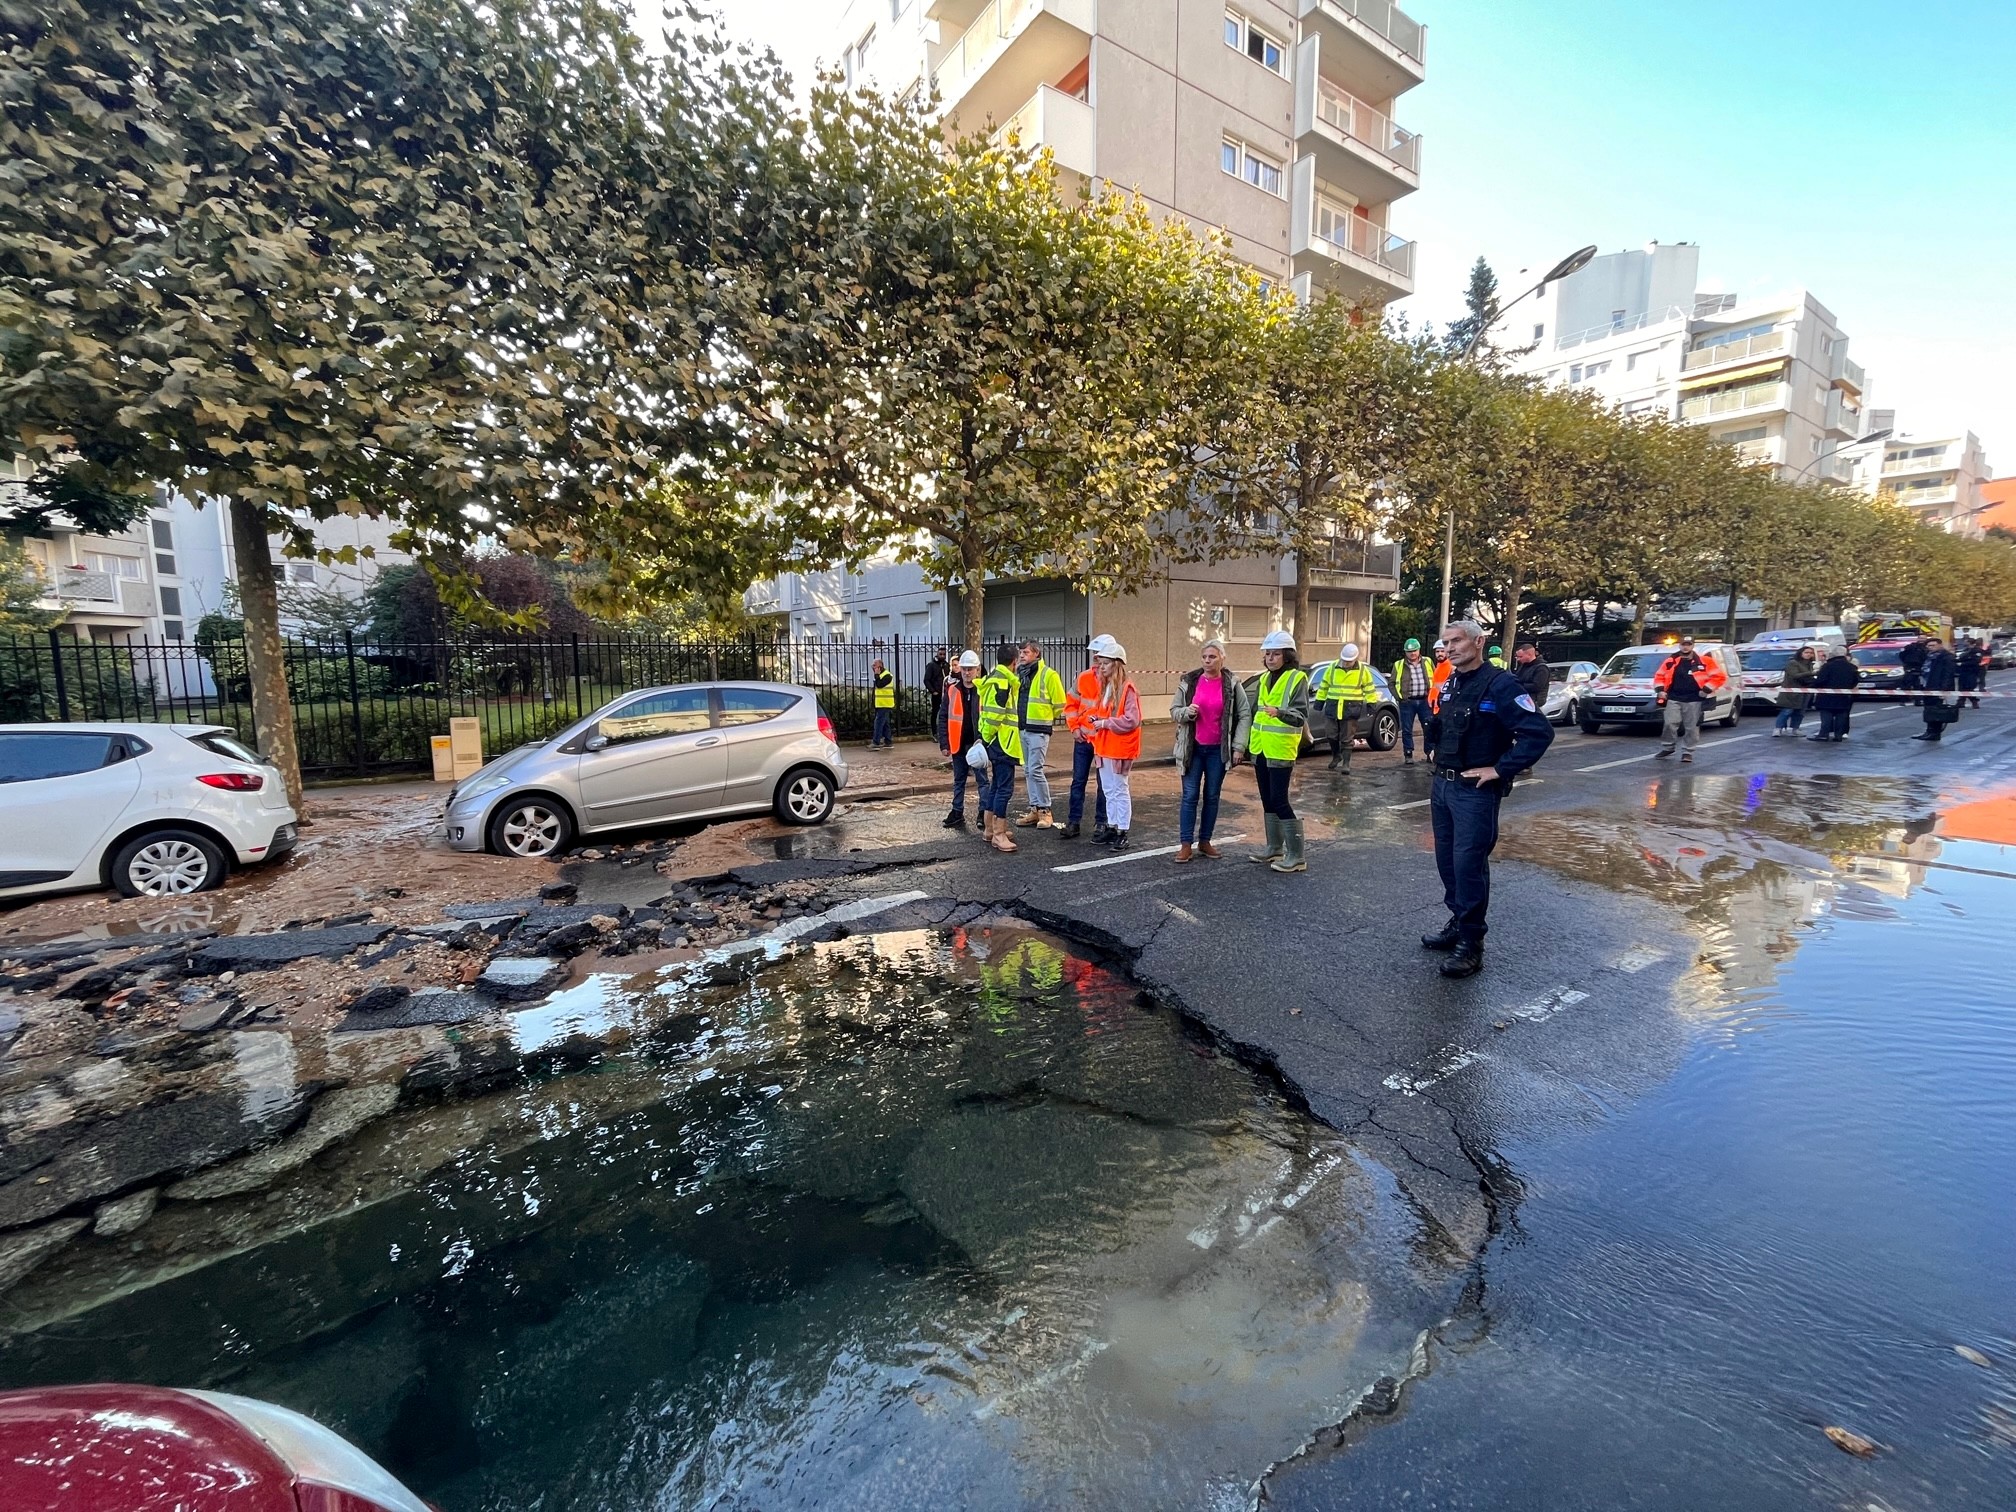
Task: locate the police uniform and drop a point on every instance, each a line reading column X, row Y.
column 1485, row 719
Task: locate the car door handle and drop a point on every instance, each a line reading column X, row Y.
column 709, row 741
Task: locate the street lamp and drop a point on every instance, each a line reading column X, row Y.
column 1846, row 446
column 1574, row 262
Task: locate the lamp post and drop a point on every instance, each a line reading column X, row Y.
column 1846, row 446
column 1574, row 262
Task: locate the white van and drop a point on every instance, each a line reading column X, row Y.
column 1622, row 693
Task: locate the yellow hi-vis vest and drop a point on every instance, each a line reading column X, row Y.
column 1000, row 725
column 1342, row 685
column 1274, row 738
column 885, row 690
column 1046, row 696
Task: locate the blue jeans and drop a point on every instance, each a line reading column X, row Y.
column 1201, row 782
column 1000, row 785
column 1081, row 773
column 1412, row 709
column 1790, row 719
column 1466, row 831
column 884, row 727
column 960, row 772
column 1273, row 778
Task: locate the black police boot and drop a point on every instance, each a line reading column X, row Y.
column 956, row 819
column 1447, row 938
column 1467, row 961
column 1068, row 832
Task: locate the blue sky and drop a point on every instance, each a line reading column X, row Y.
column 1864, row 151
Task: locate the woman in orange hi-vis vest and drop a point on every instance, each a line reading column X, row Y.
column 1116, row 738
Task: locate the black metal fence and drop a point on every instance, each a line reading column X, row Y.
column 366, row 706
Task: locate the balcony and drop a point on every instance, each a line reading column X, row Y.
column 1721, row 403
column 1060, row 122
column 1940, row 461
column 1841, row 419
column 1741, row 350
column 1376, row 45
column 1341, row 252
column 1357, row 148
column 98, row 595
column 1012, row 49
column 1849, row 375
column 1928, row 498
column 1355, row 566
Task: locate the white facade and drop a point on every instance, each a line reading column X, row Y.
column 1770, row 376
column 1939, row 476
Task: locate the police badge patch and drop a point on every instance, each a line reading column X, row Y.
column 1525, row 702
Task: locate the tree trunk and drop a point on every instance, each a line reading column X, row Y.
column 1508, row 634
column 1729, row 620
column 973, row 586
column 1644, row 609
column 1302, row 621
column 265, row 662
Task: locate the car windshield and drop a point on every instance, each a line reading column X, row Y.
column 1634, row 663
column 1876, row 656
column 1770, row 659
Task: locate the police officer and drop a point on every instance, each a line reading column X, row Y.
column 1485, row 733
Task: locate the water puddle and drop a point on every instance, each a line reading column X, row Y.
column 929, row 1218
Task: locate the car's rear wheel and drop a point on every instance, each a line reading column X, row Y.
column 805, row 796
column 1385, row 731
column 1590, row 727
column 168, row 863
column 532, row 827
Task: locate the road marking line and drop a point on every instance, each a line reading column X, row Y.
column 1452, row 1057
column 1134, row 855
column 1706, row 745
column 1637, row 958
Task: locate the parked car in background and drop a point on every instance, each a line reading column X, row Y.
column 1764, row 672
column 1622, row 693
column 151, row 1449
column 696, row 751
column 1803, row 635
column 1378, row 731
column 159, row 809
column 2002, row 653
column 1570, row 678
column 1881, row 669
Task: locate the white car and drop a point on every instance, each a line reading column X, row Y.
column 147, row 808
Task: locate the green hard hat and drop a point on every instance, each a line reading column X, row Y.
column 1497, row 650
column 1412, row 644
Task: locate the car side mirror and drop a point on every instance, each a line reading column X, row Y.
column 597, row 742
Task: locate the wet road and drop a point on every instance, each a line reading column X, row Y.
column 1713, row 1157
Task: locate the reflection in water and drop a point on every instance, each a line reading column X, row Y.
column 914, row 1220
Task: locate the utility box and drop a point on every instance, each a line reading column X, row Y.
column 465, row 744
column 444, row 758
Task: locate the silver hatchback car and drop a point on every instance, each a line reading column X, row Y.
column 696, row 751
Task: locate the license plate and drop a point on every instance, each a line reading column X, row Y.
column 1619, row 709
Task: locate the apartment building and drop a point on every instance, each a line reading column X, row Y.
column 1770, row 376
column 1943, row 478
column 1272, row 121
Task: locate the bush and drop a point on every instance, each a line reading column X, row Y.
column 852, row 710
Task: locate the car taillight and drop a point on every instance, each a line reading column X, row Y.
column 826, row 729
column 233, row 782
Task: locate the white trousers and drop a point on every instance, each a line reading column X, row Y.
column 1113, row 782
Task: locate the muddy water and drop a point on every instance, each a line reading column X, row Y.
column 1811, row 1224
column 921, row 1219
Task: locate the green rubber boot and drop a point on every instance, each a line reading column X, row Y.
column 1291, row 854
column 1273, row 850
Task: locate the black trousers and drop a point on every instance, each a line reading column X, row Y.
column 1465, row 820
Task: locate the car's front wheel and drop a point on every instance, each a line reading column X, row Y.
column 1589, row 726
column 168, row 864
column 1385, row 731
column 532, row 827
column 805, row 796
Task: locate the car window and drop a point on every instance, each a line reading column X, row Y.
column 747, row 706
column 229, row 746
column 680, row 711
column 1635, row 663
column 31, row 758
column 1767, row 660
column 1876, row 656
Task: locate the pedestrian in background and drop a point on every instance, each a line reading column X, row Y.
column 1116, row 736
column 960, row 734
column 884, row 736
column 1280, row 716
column 1214, row 717
column 1487, row 732
column 1834, row 693
column 1001, row 732
column 1942, row 675
column 1972, row 660
column 1534, row 675
column 1348, row 689
column 1040, row 701
column 1081, row 707
column 1912, row 659
column 937, row 674
column 1795, row 692
column 1413, row 681
column 1684, row 682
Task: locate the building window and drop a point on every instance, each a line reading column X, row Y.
column 172, row 629
column 171, row 602
column 132, row 569
column 1241, row 161
column 1539, row 330
column 295, row 572
column 1242, row 34
column 855, row 60
column 1617, row 319
column 1575, row 373
column 1595, row 370
column 1631, row 362
column 897, row 8
column 164, row 535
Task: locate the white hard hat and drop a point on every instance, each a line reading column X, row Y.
column 1113, row 650
column 1280, row 640
column 1101, row 645
column 1350, row 651
column 969, row 658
